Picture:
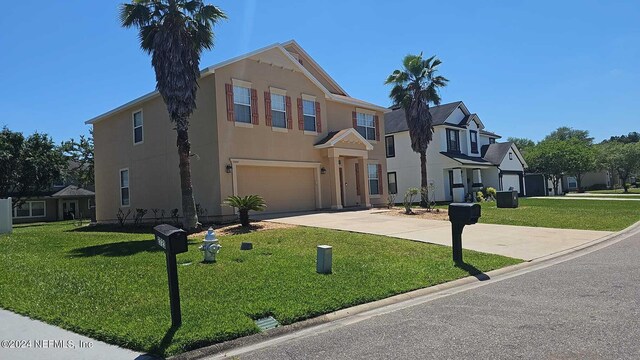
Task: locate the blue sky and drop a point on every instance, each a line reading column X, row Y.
column 526, row 67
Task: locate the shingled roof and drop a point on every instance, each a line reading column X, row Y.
column 495, row 153
column 396, row 120
column 73, row 191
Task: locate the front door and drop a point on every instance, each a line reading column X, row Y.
column 451, row 184
column 342, row 188
column 69, row 209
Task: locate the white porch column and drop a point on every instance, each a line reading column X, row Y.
column 458, row 186
column 364, row 181
column 334, row 173
column 477, row 179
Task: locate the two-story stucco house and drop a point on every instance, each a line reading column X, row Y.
column 271, row 122
column 462, row 158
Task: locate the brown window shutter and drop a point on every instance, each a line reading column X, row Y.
column 357, row 180
column 380, row 187
column 229, row 91
column 355, row 119
column 300, row 115
column 254, row 107
column 267, row 108
column 376, row 119
column 318, row 118
column 289, row 114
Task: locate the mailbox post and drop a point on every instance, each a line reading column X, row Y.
column 461, row 214
column 173, row 241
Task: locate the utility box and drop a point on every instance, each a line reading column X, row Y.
column 507, row 199
column 323, row 265
column 6, row 216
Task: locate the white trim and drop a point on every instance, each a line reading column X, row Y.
column 277, row 163
column 241, row 83
column 133, row 123
column 78, row 211
column 308, row 97
column 120, row 187
column 279, row 129
column 273, row 90
column 365, row 111
column 345, row 133
column 243, row 124
column 357, row 102
column 314, row 133
column 313, row 63
column 30, row 203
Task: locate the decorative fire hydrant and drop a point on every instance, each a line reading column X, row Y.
column 210, row 246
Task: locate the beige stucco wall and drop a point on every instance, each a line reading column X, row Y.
column 153, row 165
column 154, row 180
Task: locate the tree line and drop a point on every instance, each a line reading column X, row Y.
column 572, row 152
column 30, row 165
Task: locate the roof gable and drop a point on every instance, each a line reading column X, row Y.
column 349, row 136
column 396, row 121
column 496, row 152
column 299, row 54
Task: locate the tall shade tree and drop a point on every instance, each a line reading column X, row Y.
column 414, row 87
column 174, row 33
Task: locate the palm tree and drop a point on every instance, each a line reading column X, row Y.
column 414, row 87
column 174, row 33
column 246, row 204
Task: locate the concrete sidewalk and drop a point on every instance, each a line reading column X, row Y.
column 24, row 338
column 520, row 242
column 567, row 197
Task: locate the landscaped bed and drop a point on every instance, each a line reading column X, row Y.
column 113, row 285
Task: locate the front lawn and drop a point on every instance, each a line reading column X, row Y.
column 616, row 191
column 112, row 286
column 584, row 214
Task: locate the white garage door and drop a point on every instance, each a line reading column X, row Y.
column 283, row 188
column 511, row 181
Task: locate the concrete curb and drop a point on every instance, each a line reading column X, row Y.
column 444, row 288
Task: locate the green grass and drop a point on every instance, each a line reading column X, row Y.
column 617, row 191
column 565, row 214
column 113, row 286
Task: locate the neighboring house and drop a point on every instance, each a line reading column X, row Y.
column 541, row 185
column 462, row 157
column 271, row 122
column 599, row 179
column 64, row 200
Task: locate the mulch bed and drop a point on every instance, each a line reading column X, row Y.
column 435, row 214
column 237, row 229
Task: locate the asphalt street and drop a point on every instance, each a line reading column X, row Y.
column 585, row 308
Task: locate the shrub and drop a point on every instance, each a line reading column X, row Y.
column 244, row 205
column 122, row 216
column 137, row 217
column 597, row 187
column 490, row 193
column 408, row 199
column 175, row 215
column 479, row 196
column 155, row 215
column 391, row 200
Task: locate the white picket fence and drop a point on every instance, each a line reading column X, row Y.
column 6, row 216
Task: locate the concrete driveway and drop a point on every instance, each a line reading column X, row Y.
column 520, row 242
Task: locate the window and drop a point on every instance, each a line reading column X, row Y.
column 30, row 209
column 124, row 187
column 393, row 185
column 453, row 140
column 390, row 145
column 59, row 182
column 510, row 155
column 89, row 203
column 278, row 111
column 137, row 127
column 366, row 126
column 374, row 181
column 572, row 183
column 242, row 104
column 474, row 141
column 309, row 112
column 492, row 141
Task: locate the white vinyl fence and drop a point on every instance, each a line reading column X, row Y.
column 6, row 216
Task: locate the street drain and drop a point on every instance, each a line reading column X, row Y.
column 267, row 323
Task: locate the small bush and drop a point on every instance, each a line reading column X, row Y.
column 408, row 199
column 246, row 204
column 175, row 215
column 137, row 217
column 490, row 193
column 391, row 200
column 479, row 196
column 597, row 187
column 122, row 216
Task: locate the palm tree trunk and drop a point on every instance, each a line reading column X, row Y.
column 188, row 203
column 424, row 195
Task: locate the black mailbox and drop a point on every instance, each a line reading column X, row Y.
column 465, row 213
column 171, row 239
column 461, row 214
